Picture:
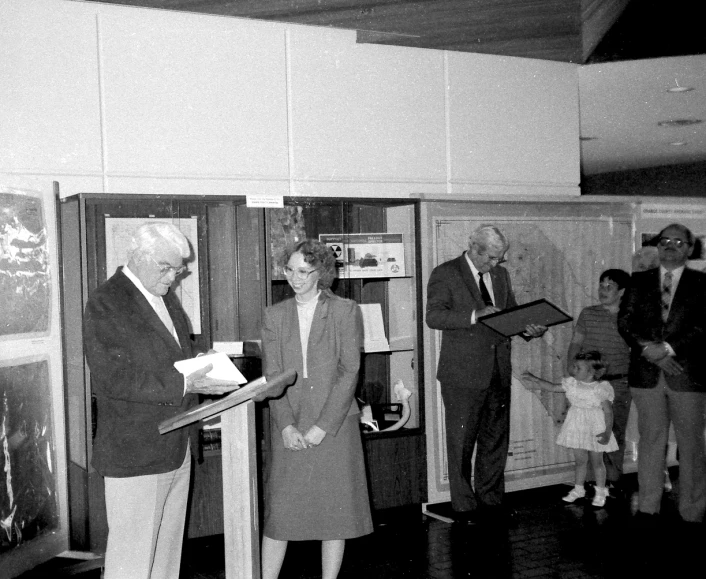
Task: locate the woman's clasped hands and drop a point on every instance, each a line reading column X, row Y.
column 295, row 440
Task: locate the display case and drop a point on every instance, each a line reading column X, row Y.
column 233, row 277
column 376, row 245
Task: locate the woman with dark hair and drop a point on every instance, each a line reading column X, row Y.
column 316, row 489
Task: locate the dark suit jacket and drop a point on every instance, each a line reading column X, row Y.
column 468, row 351
column 640, row 320
column 333, row 360
column 131, row 355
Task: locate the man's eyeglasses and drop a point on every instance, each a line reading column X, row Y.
column 165, row 269
column 665, row 241
column 496, row 260
column 298, row 273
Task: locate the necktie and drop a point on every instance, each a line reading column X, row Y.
column 666, row 294
column 163, row 314
column 484, row 290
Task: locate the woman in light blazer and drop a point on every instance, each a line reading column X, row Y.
column 316, row 489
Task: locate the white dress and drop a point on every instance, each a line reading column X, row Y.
column 585, row 420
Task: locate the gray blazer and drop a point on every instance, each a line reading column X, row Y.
column 333, row 360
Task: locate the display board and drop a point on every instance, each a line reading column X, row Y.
column 33, row 506
column 557, row 252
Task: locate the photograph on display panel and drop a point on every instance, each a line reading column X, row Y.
column 29, row 505
column 25, row 282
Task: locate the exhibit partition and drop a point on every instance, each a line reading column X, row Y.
column 33, row 505
column 557, row 252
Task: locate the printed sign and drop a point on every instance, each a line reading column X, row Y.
column 360, row 255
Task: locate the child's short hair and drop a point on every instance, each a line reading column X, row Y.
column 595, row 361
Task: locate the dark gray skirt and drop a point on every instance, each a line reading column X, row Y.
column 320, row 493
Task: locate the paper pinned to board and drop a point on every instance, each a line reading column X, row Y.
column 374, row 328
column 223, row 368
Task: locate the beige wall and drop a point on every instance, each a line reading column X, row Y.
column 116, row 99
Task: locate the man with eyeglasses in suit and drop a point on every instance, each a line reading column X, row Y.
column 134, row 331
column 663, row 319
column 474, row 371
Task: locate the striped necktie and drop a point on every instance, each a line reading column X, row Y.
column 161, row 309
column 666, row 294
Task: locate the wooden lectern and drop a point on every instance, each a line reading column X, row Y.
column 238, row 453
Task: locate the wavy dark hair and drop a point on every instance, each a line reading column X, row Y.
column 316, row 254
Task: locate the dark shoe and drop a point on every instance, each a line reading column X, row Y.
column 498, row 515
column 616, row 491
column 465, row 517
column 646, row 522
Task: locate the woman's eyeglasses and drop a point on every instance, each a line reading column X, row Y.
column 298, row 273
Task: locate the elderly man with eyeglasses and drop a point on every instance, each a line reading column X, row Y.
column 474, row 371
column 663, row 319
column 134, row 331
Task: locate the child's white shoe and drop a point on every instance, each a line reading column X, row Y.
column 575, row 494
column 600, row 497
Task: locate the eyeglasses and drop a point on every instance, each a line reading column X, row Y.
column 165, row 269
column 496, row 260
column 665, row 241
column 298, row 273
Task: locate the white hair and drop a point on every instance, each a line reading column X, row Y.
column 488, row 236
column 154, row 234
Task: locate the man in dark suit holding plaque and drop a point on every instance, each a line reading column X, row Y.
column 134, row 331
column 474, row 372
column 663, row 319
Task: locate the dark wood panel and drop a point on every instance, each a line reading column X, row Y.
column 205, row 515
column 397, row 472
column 546, row 29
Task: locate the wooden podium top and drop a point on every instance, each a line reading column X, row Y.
column 256, row 390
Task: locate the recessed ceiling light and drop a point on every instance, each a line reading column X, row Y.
column 679, row 89
column 678, row 143
column 679, row 123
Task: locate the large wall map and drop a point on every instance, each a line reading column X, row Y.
column 558, row 257
column 25, row 288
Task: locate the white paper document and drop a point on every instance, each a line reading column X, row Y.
column 229, row 348
column 223, row 368
column 374, row 329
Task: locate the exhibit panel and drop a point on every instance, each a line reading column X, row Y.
column 557, row 252
column 33, row 505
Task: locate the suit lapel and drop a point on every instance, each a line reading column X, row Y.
column 144, row 309
column 683, row 289
column 180, row 325
column 499, row 287
column 468, row 278
column 292, row 335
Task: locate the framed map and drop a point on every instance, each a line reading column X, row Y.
column 557, row 252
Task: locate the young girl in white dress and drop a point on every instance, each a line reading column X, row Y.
column 588, row 427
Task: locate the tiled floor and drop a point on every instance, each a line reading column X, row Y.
column 545, row 539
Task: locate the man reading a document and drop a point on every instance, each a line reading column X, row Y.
column 134, row 331
column 474, row 372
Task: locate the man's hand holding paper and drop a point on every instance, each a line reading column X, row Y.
column 210, row 374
